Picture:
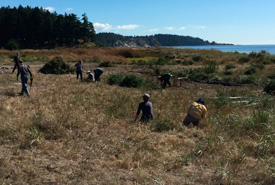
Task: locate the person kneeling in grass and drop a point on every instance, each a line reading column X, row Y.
column 195, row 112
column 147, row 109
column 90, row 76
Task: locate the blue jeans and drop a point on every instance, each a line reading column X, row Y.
column 79, row 73
column 24, row 80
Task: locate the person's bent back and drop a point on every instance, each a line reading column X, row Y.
column 195, row 113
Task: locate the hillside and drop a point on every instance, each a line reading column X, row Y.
column 116, row 40
column 73, row 132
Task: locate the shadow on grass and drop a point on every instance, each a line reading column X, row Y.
column 9, row 92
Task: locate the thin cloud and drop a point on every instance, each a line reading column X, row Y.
column 197, row 26
column 102, row 27
column 170, row 28
column 68, row 9
column 154, row 30
column 50, row 9
column 182, row 28
column 128, row 27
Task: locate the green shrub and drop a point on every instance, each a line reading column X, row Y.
column 151, row 85
column 226, row 79
column 197, row 58
column 261, row 54
column 252, row 54
column 211, row 67
column 12, row 45
column 246, row 80
column 227, row 72
column 259, row 66
column 106, row 64
column 270, row 87
column 172, row 62
column 244, row 59
column 229, row 66
column 156, row 70
column 163, row 125
column 271, row 76
column 269, row 59
column 197, row 74
column 131, row 81
column 159, row 61
column 188, row 62
column 221, row 101
column 250, row 71
column 115, row 79
column 57, row 66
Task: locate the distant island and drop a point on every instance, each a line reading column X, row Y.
column 117, row 40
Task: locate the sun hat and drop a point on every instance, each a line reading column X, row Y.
column 88, row 72
column 146, row 96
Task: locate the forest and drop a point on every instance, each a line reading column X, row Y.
column 37, row 28
column 116, row 40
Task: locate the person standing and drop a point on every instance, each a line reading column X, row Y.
column 165, row 79
column 98, row 72
column 147, row 109
column 16, row 63
column 79, row 69
column 195, row 112
column 24, row 70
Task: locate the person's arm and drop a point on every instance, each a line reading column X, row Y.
column 138, row 112
column 19, row 71
column 204, row 113
column 136, row 117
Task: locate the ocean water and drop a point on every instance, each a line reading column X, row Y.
column 235, row 48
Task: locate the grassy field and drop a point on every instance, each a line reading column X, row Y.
column 73, row 132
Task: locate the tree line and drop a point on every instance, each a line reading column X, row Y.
column 116, row 40
column 37, row 28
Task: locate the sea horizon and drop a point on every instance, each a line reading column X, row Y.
column 269, row 48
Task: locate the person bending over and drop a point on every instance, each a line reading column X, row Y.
column 195, row 112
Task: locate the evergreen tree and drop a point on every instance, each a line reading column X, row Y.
column 38, row 28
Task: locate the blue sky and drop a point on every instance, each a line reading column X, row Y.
column 222, row 21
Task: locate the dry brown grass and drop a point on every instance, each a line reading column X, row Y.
column 72, row 132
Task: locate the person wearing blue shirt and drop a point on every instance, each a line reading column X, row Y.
column 147, row 109
column 24, row 70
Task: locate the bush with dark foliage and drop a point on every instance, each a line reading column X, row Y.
column 57, row 66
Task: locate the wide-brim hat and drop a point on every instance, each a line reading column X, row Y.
column 146, row 96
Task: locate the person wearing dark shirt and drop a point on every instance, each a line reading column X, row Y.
column 24, row 70
column 16, row 63
column 98, row 72
column 165, row 79
column 147, row 109
column 79, row 69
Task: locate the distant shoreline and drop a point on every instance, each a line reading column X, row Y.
column 233, row 48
